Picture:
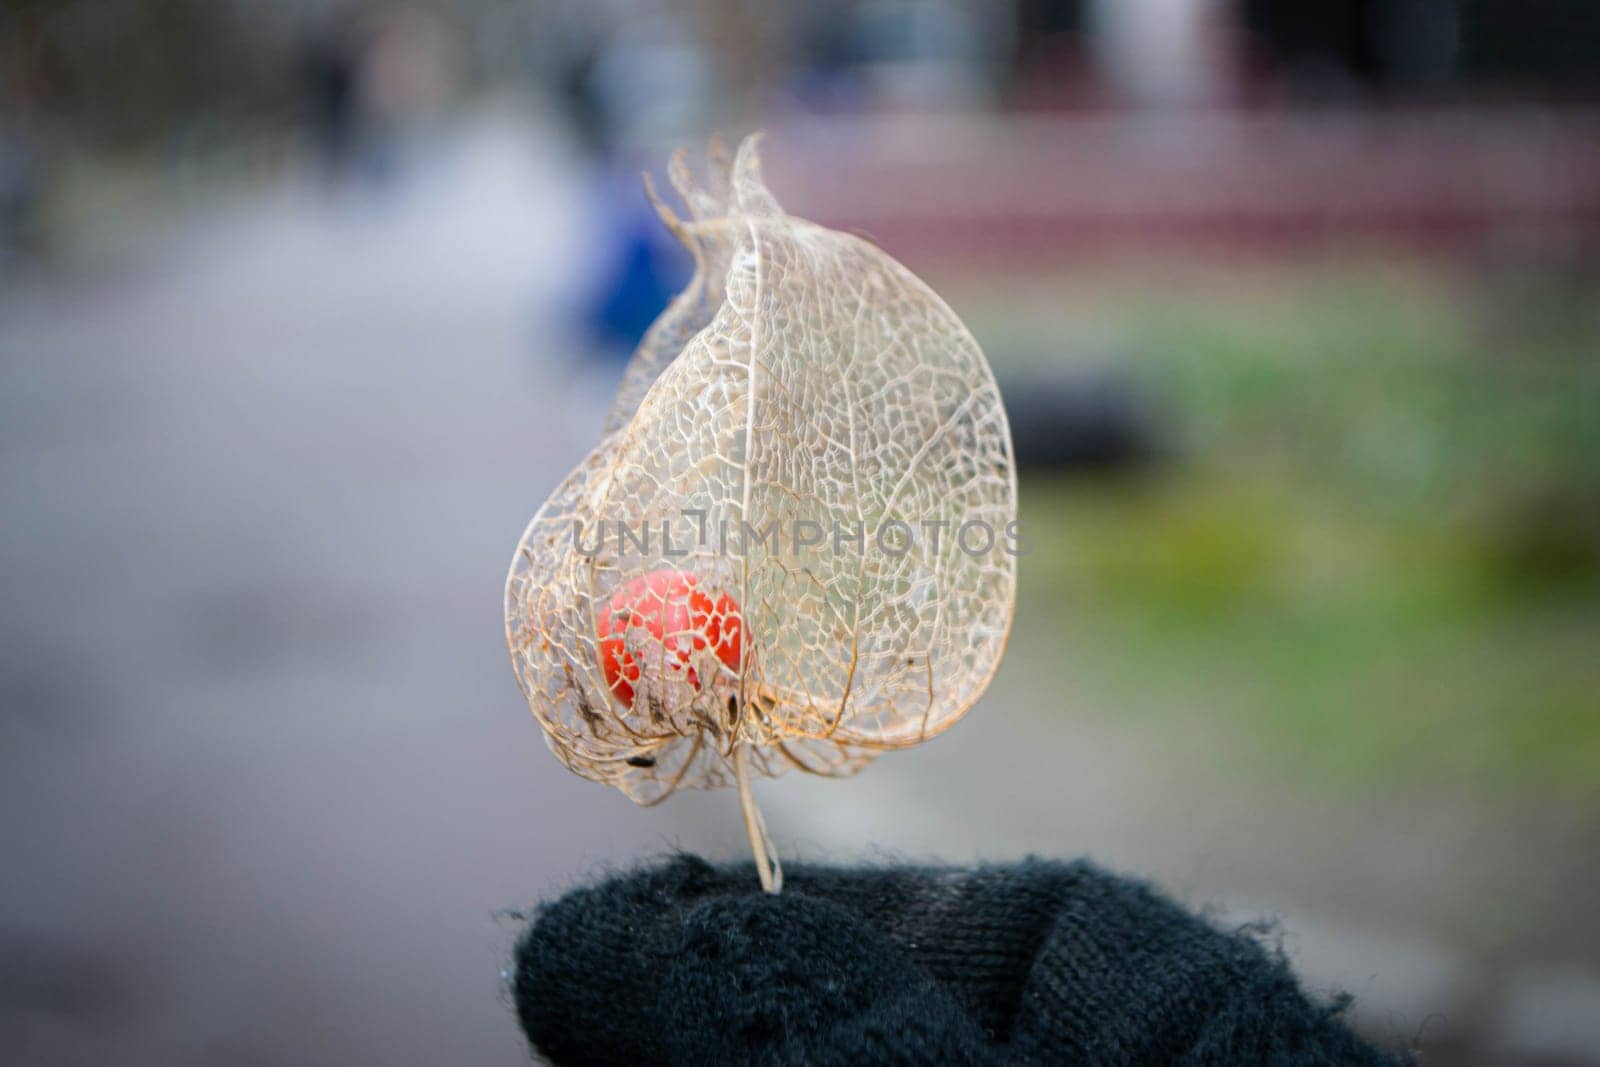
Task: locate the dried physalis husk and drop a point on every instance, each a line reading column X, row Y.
column 794, row 544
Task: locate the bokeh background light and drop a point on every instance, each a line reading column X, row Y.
column 305, row 307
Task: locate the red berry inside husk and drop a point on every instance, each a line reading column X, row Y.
column 680, row 621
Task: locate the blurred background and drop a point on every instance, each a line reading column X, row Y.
column 306, row 306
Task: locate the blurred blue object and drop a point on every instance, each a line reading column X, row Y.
column 642, row 269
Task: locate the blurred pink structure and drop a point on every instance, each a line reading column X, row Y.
column 1457, row 181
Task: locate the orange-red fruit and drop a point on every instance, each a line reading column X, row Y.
column 679, row 618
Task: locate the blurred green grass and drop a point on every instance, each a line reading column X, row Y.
column 1374, row 554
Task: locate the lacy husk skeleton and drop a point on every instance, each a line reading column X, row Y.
column 803, row 376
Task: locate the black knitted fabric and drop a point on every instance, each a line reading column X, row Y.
column 1032, row 963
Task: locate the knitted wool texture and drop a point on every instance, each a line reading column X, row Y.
column 1032, row 963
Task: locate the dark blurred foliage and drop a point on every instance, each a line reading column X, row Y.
column 1411, row 44
column 127, row 72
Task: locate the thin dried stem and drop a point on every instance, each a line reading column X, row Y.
column 767, row 865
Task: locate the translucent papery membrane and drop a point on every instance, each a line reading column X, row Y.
column 805, row 395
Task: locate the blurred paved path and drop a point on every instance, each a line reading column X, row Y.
column 265, row 773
